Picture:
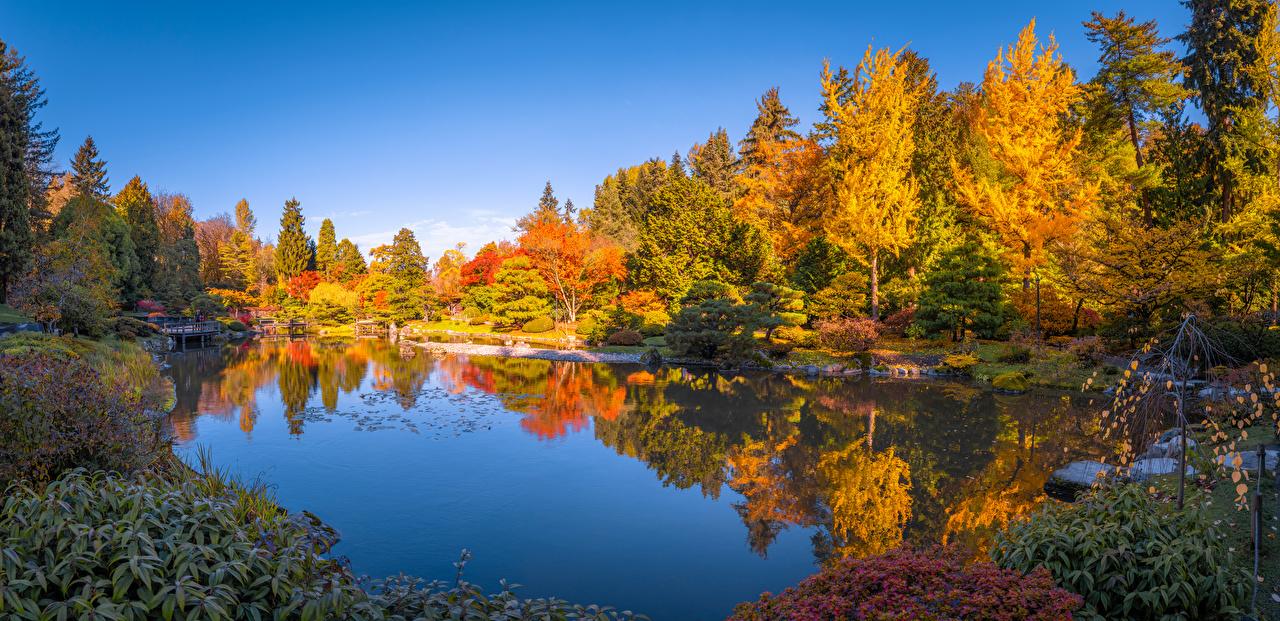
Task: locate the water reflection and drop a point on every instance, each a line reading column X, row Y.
column 859, row 465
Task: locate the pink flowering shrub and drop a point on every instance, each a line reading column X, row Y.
column 918, row 586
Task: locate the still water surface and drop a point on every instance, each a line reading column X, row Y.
column 671, row 492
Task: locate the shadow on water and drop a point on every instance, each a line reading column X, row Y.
column 847, row 467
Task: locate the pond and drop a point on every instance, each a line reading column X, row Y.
column 672, row 492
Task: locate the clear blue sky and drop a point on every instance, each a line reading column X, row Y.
column 448, row 117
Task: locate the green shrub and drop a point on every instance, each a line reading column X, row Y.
column 129, row 328
column 236, row 325
column 1014, row 353
column 101, row 545
column 625, row 338
column 539, row 325
column 479, row 320
column 1130, row 556
column 1011, row 381
column 959, row 363
column 713, row 329
column 58, row 413
column 654, row 323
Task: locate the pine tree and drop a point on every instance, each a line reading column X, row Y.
column 676, row 167
column 773, row 124
column 548, row 210
column 714, row 163
column 20, row 95
column 326, row 247
column 177, row 279
column 349, row 260
column 27, row 136
column 407, row 268
column 569, row 210
column 1137, row 76
column 136, row 205
column 293, row 246
column 1230, row 69
column 963, row 292
column 521, row 293
column 244, row 247
column 89, row 172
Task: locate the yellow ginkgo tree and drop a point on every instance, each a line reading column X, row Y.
column 1027, row 184
column 872, row 113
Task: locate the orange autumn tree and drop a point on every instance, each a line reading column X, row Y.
column 873, row 114
column 784, row 191
column 575, row 263
column 1027, row 185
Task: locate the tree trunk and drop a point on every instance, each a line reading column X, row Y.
column 4, row 289
column 1275, row 298
column 1026, row 274
column 1039, row 330
column 1137, row 154
column 1075, row 318
column 875, row 287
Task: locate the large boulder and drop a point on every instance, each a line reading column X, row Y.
column 1148, row 467
column 1078, row 476
column 1249, row 459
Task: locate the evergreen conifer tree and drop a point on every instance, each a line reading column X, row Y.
column 348, row 258
column 89, row 171
column 326, row 246
column 963, row 292
column 773, row 124
column 293, row 247
column 714, row 163
column 136, row 205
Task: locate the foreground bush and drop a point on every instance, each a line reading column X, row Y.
column 106, row 546
column 911, row 585
column 625, row 338
column 58, row 413
column 112, row 547
column 1130, row 556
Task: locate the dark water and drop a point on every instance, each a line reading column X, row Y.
column 675, row 493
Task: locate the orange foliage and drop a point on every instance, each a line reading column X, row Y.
column 641, row 301
column 785, row 193
column 573, row 261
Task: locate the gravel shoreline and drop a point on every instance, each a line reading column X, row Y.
column 567, row 355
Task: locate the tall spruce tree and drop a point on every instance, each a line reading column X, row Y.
column 773, row 124
column 1230, row 69
column 714, row 163
column 349, row 259
column 26, row 135
column 407, row 267
column 326, row 246
column 1137, row 75
column 963, row 292
column 89, row 171
column 136, row 205
column 293, row 246
column 548, row 210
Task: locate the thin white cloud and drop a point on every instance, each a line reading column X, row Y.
column 435, row 236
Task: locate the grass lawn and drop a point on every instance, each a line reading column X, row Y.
column 10, row 315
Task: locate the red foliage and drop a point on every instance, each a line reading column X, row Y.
column 845, row 334
column 906, row 584
column 898, row 322
column 300, row 286
column 150, row 306
column 481, row 269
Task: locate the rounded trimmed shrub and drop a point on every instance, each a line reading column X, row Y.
column 625, row 338
column 1130, row 556
column 538, row 325
column 906, row 584
column 843, row 334
column 1011, row 381
column 654, row 323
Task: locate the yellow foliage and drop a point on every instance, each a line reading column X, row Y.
column 1033, row 192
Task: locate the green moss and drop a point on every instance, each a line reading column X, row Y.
column 1012, row 381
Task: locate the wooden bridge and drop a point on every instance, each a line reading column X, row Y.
column 270, row 326
column 183, row 332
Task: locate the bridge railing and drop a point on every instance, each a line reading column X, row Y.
column 199, row 327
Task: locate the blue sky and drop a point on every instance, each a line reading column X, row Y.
column 448, row 117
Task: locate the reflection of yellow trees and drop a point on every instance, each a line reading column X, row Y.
column 869, row 497
column 1027, row 448
column 771, row 501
